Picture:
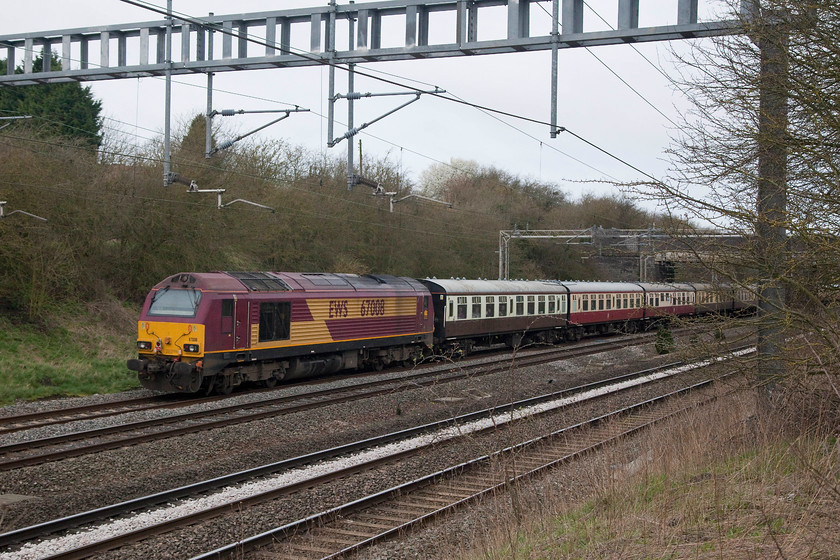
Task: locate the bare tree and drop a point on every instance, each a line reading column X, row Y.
column 758, row 157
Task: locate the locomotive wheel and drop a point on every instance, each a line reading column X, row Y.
column 195, row 382
column 269, row 383
column 223, row 384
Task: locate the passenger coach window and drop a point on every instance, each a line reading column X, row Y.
column 585, row 303
column 476, row 307
column 451, row 309
column 462, row 307
column 503, row 304
column 520, row 305
column 490, row 309
column 541, row 305
column 530, row 305
column 552, row 304
column 275, row 319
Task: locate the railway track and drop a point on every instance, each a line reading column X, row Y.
column 27, row 421
column 55, row 448
column 433, row 432
column 344, row 529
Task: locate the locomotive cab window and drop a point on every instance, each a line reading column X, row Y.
column 227, row 316
column 275, row 320
column 175, row 303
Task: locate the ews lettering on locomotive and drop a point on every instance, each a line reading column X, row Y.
column 367, row 308
column 372, row 307
column 338, row 308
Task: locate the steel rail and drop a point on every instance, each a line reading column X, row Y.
column 329, row 397
column 345, row 512
column 66, row 415
column 54, row 526
column 31, row 420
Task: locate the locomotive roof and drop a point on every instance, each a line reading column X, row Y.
column 210, row 281
column 318, row 281
column 287, row 282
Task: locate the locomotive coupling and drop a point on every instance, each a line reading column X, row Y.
column 137, row 364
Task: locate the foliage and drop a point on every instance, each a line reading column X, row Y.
column 64, row 109
column 664, row 340
column 114, row 230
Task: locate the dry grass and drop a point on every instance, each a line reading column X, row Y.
column 715, row 484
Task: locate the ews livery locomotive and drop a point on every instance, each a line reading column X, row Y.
column 213, row 331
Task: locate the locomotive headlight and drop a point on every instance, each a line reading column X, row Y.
column 192, row 348
column 144, row 345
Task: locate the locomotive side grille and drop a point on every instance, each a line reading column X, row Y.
column 261, row 281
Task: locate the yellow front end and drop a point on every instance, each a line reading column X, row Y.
column 176, row 341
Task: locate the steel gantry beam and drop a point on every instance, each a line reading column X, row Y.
column 632, row 240
column 377, row 31
column 384, row 31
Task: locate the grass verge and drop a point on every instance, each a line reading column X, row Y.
column 82, row 352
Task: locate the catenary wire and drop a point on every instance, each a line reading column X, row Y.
column 324, row 61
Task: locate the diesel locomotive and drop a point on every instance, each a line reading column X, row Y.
column 209, row 332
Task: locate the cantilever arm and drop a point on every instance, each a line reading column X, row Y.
column 25, row 213
column 4, row 215
column 246, row 202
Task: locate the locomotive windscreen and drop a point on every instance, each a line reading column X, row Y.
column 175, row 303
